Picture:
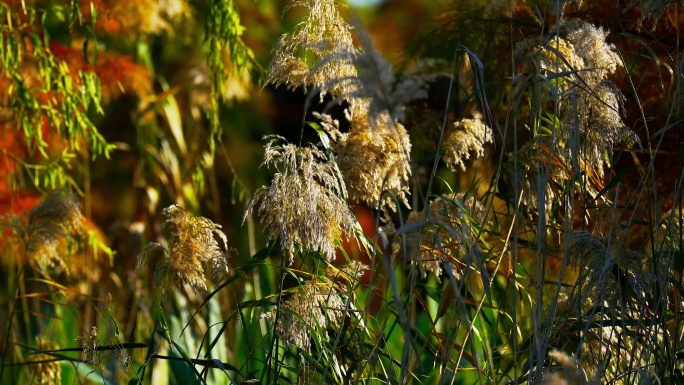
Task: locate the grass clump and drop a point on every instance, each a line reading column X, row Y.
column 484, row 208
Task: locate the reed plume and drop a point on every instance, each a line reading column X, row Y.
column 446, row 236
column 50, row 230
column 192, row 247
column 468, row 137
column 49, row 370
column 305, row 203
column 311, row 307
column 315, row 38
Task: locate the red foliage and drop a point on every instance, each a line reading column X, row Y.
column 118, row 73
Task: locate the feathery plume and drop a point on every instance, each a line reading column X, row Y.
column 593, row 104
column 49, row 372
column 653, row 9
column 315, row 37
column 373, row 91
column 600, row 58
column 613, row 267
column 613, row 292
column 448, row 229
column 558, row 55
column 305, row 203
column 311, row 307
column 468, row 136
column 192, row 247
column 375, row 163
column 589, row 122
column 50, row 227
column 574, row 374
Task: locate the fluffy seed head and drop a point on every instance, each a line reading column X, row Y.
column 373, row 90
column 468, row 136
column 47, row 373
column 599, row 57
column 315, row 38
column 445, row 235
column 312, row 306
column 192, row 247
column 375, row 163
column 305, row 203
column 589, row 110
column 50, row 230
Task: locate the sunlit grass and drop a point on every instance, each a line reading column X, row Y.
column 490, row 220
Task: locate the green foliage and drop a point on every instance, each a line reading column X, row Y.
column 227, row 57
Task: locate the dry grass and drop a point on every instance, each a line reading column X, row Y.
column 559, row 263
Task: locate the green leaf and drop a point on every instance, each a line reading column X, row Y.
column 165, row 329
column 182, row 374
column 321, row 134
column 91, row 374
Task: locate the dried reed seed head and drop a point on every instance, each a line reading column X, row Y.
column 581, row 53
column 586, row 45
column 192, row 247
column 584, row 248
column 468, row 136
column 312, row 306
column 46, row 373
column 372, row 90
column 335, row 71
column 375, row 163
column 595, row 104
column 304, row 205
column 555, row 55
column 323, row 23
column 287, row 69
column 598, row 59
column 524, row 50
column 581, row 49
column 52, row 228
column 448, row 228
column 588, row 103
column 598, row 56
column 597, row 112
column 573, row 373
column 331, row 127
column 626, row 343
column 611, row 270
column 360, row 76
column 372, row 163
column 559, row 55
column 564, row 359
column 316, row 37
column 652, row 9
column 600, row 299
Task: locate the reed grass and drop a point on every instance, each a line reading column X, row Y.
column 542, row 244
